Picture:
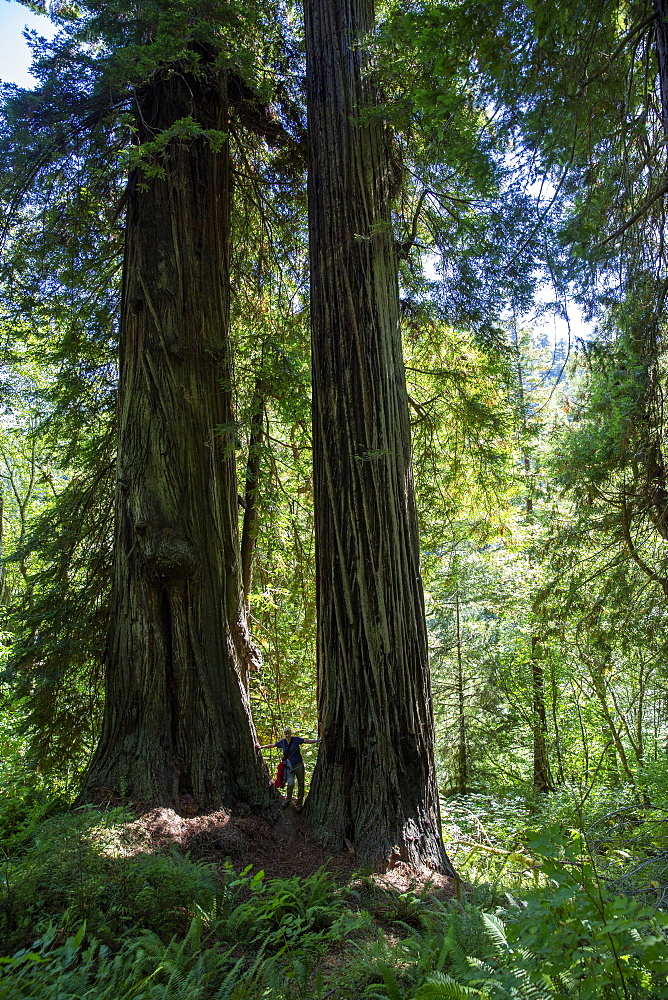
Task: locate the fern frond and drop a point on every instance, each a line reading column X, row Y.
column 230, row 981
column 532, row 991
column 529, row 990
column 496, row 930
column 391, row 985
column 560, row 987
column 481, row 966
column 442, row 987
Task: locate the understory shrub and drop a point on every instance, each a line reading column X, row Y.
column 143, row 969
column 95, row 914
column 91, row 865
column 268, row 945
column 278, row 913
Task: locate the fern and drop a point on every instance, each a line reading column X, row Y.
column 495, row 930
column 442, row 987
column 145, row 969
column 482, row 966
column 230, row 981
column 517, row 963
column 391, row 985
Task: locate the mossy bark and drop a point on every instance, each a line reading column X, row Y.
column 177, row 721
column 374, row 784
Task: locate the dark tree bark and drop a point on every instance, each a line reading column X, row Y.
column 374, row 784
column 250, row 524
column 554, row 699
column 542, row 779
column 661, row 37
column 462, row 754
column 177, row 720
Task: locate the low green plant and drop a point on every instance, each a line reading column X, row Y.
column 280, row 913
column 114, row 919
column 410, row 962
column 571, row 938
column 24, row 805
column 408, row 909
column 144, row 968
column 398, row 958
column 88, row 866
column 255, row 939
column 608, row 945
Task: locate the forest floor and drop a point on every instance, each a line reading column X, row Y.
column 107, row 901
column 281, row 850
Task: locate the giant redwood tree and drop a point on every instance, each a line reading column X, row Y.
column 164, row 81
column 374, row 784
column 176, row 719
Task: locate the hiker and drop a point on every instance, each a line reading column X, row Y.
column 293, row 764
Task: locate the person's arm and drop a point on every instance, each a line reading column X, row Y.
column 309, row 741
column 267, row 746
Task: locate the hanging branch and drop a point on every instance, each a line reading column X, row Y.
column 622, row 43
column 636, row 215
column 661, row 580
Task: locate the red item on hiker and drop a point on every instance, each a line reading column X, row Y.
column 279, row 775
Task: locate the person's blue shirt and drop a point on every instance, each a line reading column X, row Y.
column 291, row 751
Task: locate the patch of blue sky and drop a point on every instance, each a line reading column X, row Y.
column 559, row 322
column 15, row 54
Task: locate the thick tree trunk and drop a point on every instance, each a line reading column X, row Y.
column 654, row 483
column 661, row 37
column 374, row 784
column 177, row 721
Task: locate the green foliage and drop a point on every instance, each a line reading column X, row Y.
column 93, row 871
column 527, row 135
column 142, row 969
column 26, row 800
column 91, row 866
column 148, row 155
column 388, row 968
column 280, row 914
column 568, row 938
column 116, row 920
column 577, row 932
column 571, row 935
column 24, row 805
column 59, row 617
column 66, row 149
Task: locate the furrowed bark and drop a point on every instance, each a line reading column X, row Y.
column 374, row 784
column 661, row 41
column 250, row 522
column 177, row 720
